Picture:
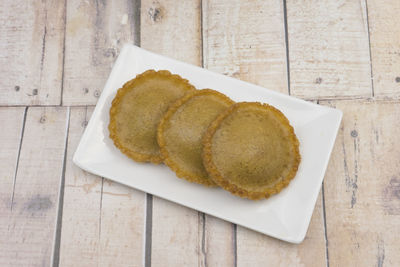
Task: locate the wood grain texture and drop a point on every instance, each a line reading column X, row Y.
column 328, row 49
column 122, row 226
column 384, row 21
column 30, row 234
column 31, row 52
column 172, row 29
column 102, row 222
column 246, row 40
column 255, row 249
column 218, row 242
column 79, row 243
column 10, row 141
column 176, row 235
column 362, row 186
column 95, row 33
column 181, row 236
column 269, row 44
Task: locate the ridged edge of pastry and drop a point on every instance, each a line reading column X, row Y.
column 137, row 156
column 162, row 143
column 224, row 183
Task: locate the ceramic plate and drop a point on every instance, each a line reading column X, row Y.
column 284, row 216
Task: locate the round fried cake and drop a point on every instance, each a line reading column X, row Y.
column 251, row 150
column 181, row 130
column 138, row 108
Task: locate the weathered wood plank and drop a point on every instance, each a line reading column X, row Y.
column 328, row 49
column 79, row 242
column 13, row 119
column 237, row 47
column 254, row 249
column 102, row 222
column 362, row 186
column 174, row 30
column 246, row 40
column 176, row 235
column 122, row 226
column 218, row 247
column 384, row 21
column 30, row 233
column 31, row 52
column 95, row 32
column 182, row 236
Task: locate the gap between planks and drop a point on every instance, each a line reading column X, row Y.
column 57, row 234
column 285, row 21
column 324, row 220
column 148, row 226
column 341, row 98
column 325, row 230
column 18, row 155
column 63, row 51
column 369, row 48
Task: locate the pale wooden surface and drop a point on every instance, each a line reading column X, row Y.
column 32, row 40
column 94, row 33
column 364, row 188
column 254, row 249
column 29, row 233
column 384, row 31
column 10, row 142
column 166, row 29
column 102, row 222
column 81, row 203
column 328, row 49
column 344, row 53
column 246, row 40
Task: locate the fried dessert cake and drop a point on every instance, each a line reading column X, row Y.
column 138, row 108
column 181, row 130
column 251, row 150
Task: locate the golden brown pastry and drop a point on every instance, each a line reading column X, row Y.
column 181, row 130
column 251, row 150
column 138, row 108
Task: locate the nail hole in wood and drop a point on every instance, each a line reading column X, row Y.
column 110, row 52
column 35, row 91
column 43, row 119
column 155, row 14
column 16, row 88
column 354, row 133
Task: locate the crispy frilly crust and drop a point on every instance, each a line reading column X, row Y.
column 162, row 143
column 225, row 183
column 112, row 127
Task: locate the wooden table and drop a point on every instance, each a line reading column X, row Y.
column 55, row 58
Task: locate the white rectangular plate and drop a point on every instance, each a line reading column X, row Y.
column 285, row 216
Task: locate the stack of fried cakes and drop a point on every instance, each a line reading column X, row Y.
column 247, row 148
